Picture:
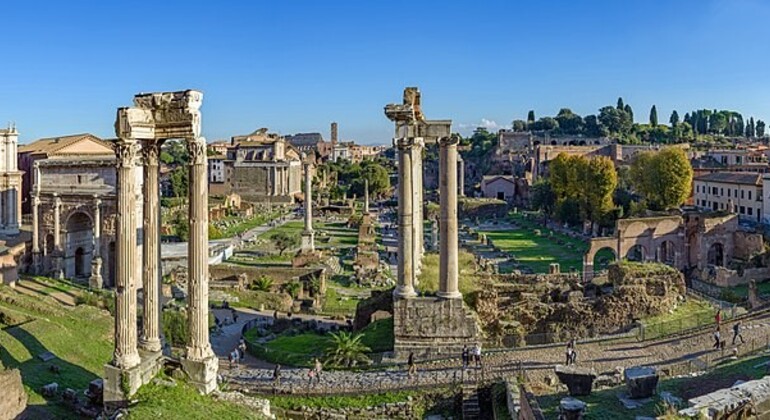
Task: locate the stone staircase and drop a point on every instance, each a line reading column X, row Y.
column 471, row 409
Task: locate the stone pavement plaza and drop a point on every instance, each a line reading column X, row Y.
column 537, row 361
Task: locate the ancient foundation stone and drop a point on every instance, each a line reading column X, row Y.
column 579, row 380
column 432, row 327
column 571, row 409
column 641, row 381
column 14, row 399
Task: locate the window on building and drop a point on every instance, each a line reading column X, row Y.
column 749, row 195
column 722, row 191
column 742, row 193
column 742, row 210
column 751, row 211
column 728, row 192
column 714, row 190
column 715, row 206
column 735, row 192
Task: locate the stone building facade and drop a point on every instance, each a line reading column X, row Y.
column 260, row 167
column 733, row 192
column 74, row 217
column 10, row 183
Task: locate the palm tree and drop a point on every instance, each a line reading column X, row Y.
column 263, row 283
column 346, row 349
column 293, row 288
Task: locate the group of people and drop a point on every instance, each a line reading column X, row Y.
column 718, row 342
column 474, row 353
column 238, row 353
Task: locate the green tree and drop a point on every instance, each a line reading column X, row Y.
column 620, row 106
column 663, row 178
column 751, row 128
column 519, row 126
column 293, row 288
column 630, row 112
column 592, row 127
column 179, row 181
column 674, row 120
column 569, row 122
column 346, row 350
column 599, row 183
column 543, row 197
column 617, row 121
column 760, row 128
column 653, row 117
column 283, row 241
column 530, row 117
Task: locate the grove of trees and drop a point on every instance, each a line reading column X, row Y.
column 618, row 122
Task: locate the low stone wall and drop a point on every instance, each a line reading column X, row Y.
column 529, row 408
column 399, row 410
column 14, row 399
column 724, row 277
column 281, row 274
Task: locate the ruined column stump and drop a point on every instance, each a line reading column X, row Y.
column 432, row 327
column 641, row 382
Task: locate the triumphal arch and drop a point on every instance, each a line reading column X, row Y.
column 141, row 130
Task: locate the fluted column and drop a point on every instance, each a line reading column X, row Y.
column 198, row 347
column 35, row 233
column 461, row 176
column 417, row 190
column 308, row 244
column 366, row 196
column 150, row 340
column 96, row 281
column 405, row 286
column 126, row 355
column 56, row 222
column 448, row 265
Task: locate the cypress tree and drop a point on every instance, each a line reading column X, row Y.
column 653, row 117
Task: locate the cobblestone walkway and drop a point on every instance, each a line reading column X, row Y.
column 538, row 362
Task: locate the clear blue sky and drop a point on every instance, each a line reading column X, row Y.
column 295, row 66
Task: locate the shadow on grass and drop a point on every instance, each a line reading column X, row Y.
column 36, row 373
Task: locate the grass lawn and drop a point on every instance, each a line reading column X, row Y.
column 301, row 349
column 335, row 304
column 184, row 402
column 604, row 404
column 538, row 252
column 690, row 314
column 468, row 278
column 339, row 235
column 241, row 225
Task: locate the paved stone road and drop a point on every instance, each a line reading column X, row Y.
column 604, row 357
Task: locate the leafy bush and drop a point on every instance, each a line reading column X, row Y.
column 262, row 284
column 175, row 327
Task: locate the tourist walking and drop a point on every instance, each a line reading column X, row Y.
column 317, row 368
column 718, row 317
column 277, row 375
column 717, row 338
column 568, row 353
column 234, row 314
column 242, row 347
column 412, row 366
column 737, row 332
column 466, row 356
column 477, row 354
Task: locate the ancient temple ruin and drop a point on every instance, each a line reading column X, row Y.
column 141, row 130
column 427, row 326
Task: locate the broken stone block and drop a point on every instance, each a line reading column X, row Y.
column 641, row 381
column 50, row 390
column 571, row 409
column 95, row 391
column 579, row 380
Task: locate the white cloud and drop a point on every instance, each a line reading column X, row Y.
column 490, row 125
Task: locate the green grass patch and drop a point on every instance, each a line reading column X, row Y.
column 358, row 401
column 378, row 335
column 337, row 304
column 688, row 315
column 468, row 277
column 184, row 402
column 538, row 252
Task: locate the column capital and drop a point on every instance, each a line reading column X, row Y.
column 196, row 147
column 126, row 152
column 150, row 152
column 449, row 141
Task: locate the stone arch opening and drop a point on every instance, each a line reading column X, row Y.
column 79, row 262
column 716, row 255
column 49, row 244
column 582, row 143
column 603, row 258
column 553, row 143
column 79, row 238
column 636, row 253
column 667, row 253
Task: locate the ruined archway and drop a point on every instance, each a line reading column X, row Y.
column 716, row 255
column 79, row 237
column 603, row 258
column 636, row 253
column 667, row 253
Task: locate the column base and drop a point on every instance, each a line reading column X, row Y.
column 308, row 241
column 202, row 373
column 121, row 384
column 449, row 295
column 96, row 281
column 150, row 346
column 404, row 292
